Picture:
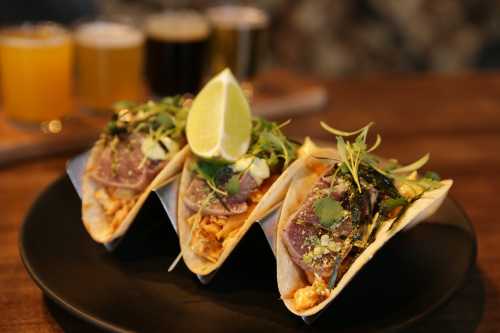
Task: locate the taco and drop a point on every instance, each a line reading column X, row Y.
column 218, row 202
column 140, row 148
column 339, row 211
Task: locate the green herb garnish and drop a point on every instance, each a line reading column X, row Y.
column 413, row 166
column 352, row 154
column 166, row 117
column 355, row 154
column 233, row 185
column 329, row 212
column 161, row 125
column 269, row 143
column 211, row 171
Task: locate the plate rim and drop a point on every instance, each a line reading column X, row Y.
column 116, row 328
column 459, row 284
column 43, row 287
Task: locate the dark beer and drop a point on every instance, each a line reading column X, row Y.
column 238, row 39
column 176, row 50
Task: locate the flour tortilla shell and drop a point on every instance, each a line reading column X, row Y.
column 93, row 216
column 271, row 198
column 291, row 277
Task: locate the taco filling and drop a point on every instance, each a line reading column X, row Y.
column 132, row 150
column 220, row 196
column 352, row 198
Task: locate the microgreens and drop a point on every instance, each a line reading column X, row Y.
column 212, row 172
column 413, row 166
column 160, row 123
column 269, row 143
column 354, row 154
column 166, row 117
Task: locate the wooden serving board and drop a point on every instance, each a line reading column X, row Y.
column 276, row 94
column 19, row 143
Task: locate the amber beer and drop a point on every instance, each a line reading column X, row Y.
column 176, row 49
column 37, row 67
column 238, row 39
column 109, row 64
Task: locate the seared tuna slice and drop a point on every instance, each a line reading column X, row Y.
column 247, row 185
column 123, row 165
column 196, row 197
column 312, row 246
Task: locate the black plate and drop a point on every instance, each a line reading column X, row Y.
column 130, row 289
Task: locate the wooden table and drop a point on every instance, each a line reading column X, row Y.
column 455, row 118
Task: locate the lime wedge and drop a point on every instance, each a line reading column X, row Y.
column 219, row 123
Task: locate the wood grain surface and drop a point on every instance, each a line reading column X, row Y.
column 275, row 93
column 455, row 118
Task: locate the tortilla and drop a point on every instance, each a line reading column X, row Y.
column 273, row 196
column 93, row 216
column 291, row 277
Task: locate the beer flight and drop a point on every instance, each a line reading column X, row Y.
column 47, row 70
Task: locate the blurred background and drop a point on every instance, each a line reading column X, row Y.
column 331, row 38
column 426, row 71
column 64, row 77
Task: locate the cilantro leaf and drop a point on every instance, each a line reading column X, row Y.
column 210, row 171
column 205, row 169
column 233, row 185
column 329, row 211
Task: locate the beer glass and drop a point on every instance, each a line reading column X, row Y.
column 36, row 66
column 238, row 39
column 109, row 64
column 176, row 49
